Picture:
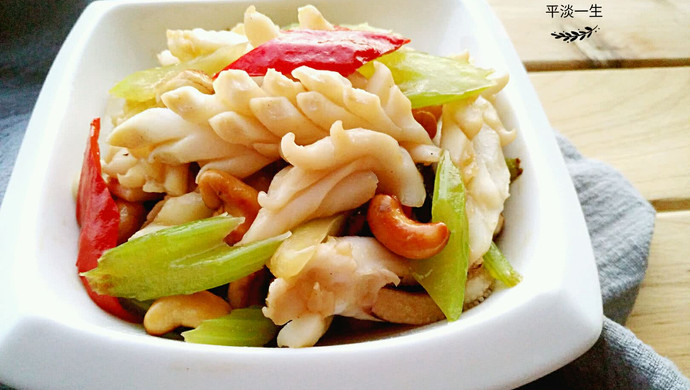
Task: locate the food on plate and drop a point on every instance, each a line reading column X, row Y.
column 291, row 176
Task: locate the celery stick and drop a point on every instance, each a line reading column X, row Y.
column 195, row 272
column 428, row 80
column 499, row 267
column 179, row 260
column 242, row 327
column 444, row 275
column 174, row 242
column 141, row 86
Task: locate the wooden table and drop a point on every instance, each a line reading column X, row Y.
column 623, row 96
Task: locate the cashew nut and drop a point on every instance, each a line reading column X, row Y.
column 132, row 216
column 427, row 119
column 436, row 111
column 404, row 307
column 226, row 193
column 248, row 291
column 402, row 235
column 168, row 313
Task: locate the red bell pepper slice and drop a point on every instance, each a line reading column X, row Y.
column 99, row 218
column 341, row 50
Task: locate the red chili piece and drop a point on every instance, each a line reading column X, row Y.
column 341, row 50
column 99, row 218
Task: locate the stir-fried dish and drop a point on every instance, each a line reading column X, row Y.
column 263, row 180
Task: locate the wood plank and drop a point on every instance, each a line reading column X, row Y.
column 631, row 33
column 661, row 315
column 635, row 119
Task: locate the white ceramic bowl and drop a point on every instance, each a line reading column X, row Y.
column 53, row 336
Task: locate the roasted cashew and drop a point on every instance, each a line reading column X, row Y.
column 402, row 235
column 248, row 290
column 226, row 193
column 168, row 313
column 427, row 118
column 404, row 307
column 132, row 216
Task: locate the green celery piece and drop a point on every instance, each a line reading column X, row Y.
column 499, row 267
column 242, row 327
column 514, row 168
column 444, row 275
column 179, row 260
column 141, row 86
column 428, row 80
column 174, row 242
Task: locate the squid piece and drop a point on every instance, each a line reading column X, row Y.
column 192, row 105
column 310, row 17
column 188, row 44
column 473, row 115
column 381, row 104
column 343, row 277
column 344, row 189
column 258, row 112
column 175, row 210
column 479, row 154
column 395, row 168
column 320, row 183
column 258, row 27
column 486, row 192
column 138, row 177
column 162, row 136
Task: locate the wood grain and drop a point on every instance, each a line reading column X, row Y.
column 631, row 34
column 638, row 120
column 661, row 315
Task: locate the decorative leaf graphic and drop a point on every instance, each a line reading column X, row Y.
column 573, row 35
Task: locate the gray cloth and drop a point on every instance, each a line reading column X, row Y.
column 620, row 221
column 31, row 32
column 620, row 224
